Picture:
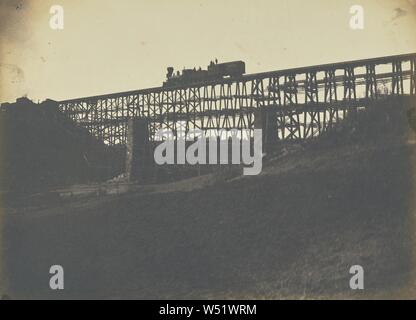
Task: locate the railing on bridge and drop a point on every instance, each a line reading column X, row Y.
column 305, row 101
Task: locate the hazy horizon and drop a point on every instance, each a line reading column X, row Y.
column 109, row 46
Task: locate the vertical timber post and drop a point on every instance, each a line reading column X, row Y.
column 265, row 118
column 137, row 157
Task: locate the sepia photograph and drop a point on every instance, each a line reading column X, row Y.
column 224, row 152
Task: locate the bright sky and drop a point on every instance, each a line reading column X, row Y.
column 110, row 46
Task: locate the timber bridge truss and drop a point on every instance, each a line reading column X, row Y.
column 305, row 101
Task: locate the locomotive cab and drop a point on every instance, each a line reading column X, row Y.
column 232, row 69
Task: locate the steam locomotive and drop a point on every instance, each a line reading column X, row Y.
column 215, row 71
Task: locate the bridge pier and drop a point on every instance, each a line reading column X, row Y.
column 265, row 118
column 138, row 148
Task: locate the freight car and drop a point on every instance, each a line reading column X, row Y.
column 215, row 71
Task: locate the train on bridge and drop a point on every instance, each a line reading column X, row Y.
column 303, row 102
column 215, row 71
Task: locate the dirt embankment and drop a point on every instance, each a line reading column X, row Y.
column 292, row 232
column 41, row 148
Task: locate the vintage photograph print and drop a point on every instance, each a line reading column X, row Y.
column 207, row 150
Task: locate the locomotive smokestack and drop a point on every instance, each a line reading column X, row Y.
column 170, row 72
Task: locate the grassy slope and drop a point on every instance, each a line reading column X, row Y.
column 292, row 232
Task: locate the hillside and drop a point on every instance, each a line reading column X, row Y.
column 41, row 148
column 291, row 232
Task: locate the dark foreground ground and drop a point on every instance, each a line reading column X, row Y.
column 292, row 232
